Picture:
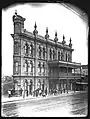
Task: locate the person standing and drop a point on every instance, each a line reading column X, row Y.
column 9, row 93
column 21, row 92
column 46, row 91
column 27, row 93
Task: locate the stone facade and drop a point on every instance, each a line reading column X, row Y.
column 40, row 62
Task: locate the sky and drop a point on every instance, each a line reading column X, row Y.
column 54, row 16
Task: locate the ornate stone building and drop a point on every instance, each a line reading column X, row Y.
column 40, row 62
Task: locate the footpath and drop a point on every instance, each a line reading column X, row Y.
column 6, row 100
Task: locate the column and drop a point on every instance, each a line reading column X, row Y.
column 47, row 87
column 35, row 64
column 23, row 88
column 74, row 77
column 67, row 77
column 71, row 85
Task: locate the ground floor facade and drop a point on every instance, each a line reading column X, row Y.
column 30, row 84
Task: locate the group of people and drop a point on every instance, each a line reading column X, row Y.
column 40, row 92
column 10, row 93
column 56, row 91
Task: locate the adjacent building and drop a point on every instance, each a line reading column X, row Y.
column 40, row 62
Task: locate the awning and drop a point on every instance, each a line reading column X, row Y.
column 81, row 82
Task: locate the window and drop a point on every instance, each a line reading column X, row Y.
column 30, row 66
column 50, row 54
column 66, row 56
column 39, row 67
column 31, row 63
column 53, row 54
column 26, row 66
column 43, row 52
column 43, row 68
column 69, row 58
column 61, row 55
column 26, row 49
column 58, row 55
column 31, row 49
column 16, row 48
column 40, row 51
column 16, row 66
column 39, row 83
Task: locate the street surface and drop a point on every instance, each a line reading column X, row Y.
column 74, row 105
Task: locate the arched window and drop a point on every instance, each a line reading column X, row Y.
column 40, row 51
column 53, row 54
column 50, row 54
column 26, row 66
column 16, row 48
column 30, row 66
column 43, row 67
column 67, row 56
column 26, row 47
column 61, row 55
column 43, row 52
column 39, row 67
column 39, row 83
column 26, row 84
column 58, row 55
column 31, row 63
column 31, row 49
column 16, row 67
